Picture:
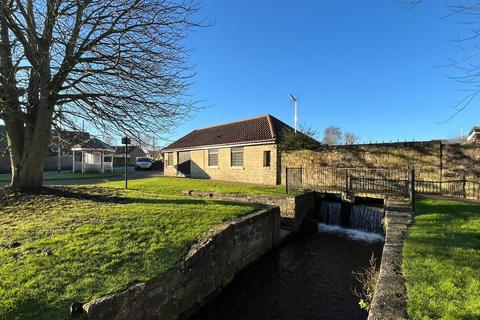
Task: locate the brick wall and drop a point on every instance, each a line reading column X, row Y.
column 252, row 171
column 432, row 159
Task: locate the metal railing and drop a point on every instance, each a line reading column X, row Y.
column 462, row 188
column 356, row 180
column 397, row 182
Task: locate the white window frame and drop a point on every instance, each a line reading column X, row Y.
column 210, row 152
column 236, row 150
column 169, row 163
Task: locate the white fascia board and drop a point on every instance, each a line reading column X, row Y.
column 226, row 145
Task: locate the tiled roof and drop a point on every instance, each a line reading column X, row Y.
column 93, row 143
column 258, row 129
column 121, row 149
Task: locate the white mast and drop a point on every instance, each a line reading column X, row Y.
column 295, row 103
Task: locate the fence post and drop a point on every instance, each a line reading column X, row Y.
column 347, row 182
column 464, row 185
column 286, row 180
column 411, row 188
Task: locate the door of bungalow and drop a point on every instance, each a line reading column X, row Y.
column 184, row 163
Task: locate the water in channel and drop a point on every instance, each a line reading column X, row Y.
column 308, row 277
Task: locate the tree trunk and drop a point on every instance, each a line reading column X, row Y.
column 28, row 149
column 29, row 174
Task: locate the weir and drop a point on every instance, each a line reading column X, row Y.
column 354, row 216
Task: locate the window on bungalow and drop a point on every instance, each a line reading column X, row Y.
column 236, row 157
column 266, row 158
column 212, row 157
column 170, row 159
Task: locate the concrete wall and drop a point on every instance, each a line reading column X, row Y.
column 210, row 265
column 252, row 171
column 432, row 159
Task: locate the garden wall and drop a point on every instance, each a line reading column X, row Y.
column 210, row 265
column 432, row 159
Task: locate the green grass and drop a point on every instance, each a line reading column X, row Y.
column 175, row 186
column 442, row 261
column 53, row 176
column 58, row 249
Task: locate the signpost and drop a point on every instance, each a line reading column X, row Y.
column 126, row 142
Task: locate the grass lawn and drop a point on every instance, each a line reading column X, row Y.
column 442, row 261
column 52, row 176
column 60, row 247
column 176, row 186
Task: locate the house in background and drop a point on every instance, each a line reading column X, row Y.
column 92, row 155
column 59, row 150
column 243, row 151
column 474, row 135
column 132, row 153
column 155, row 155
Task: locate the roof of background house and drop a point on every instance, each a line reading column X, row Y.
column 258, row 129
column 92, row 144
column 121, row 149
column 474, row 129
column 155, row 154
column 66, row 139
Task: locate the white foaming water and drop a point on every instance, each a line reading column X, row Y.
column 351, row 233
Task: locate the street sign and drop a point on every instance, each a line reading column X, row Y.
column 125, row 140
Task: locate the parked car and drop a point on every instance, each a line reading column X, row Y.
column 142, row 163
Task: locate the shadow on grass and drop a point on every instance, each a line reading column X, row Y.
column 445, row 230
column 100, row 195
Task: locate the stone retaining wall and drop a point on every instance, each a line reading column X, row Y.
column 210, row 265
column 389, row 301
column 433, row 160
column 293, row 209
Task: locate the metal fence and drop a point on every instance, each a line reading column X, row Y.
column 454, row 188
column 355, row 180
column 397, row 182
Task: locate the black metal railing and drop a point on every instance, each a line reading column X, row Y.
column 356, row 180
column 397, row 182
column 454, row 188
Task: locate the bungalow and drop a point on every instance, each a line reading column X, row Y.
column 474, row 135
column 132, row 153
column 95, row 156
column 243, row 151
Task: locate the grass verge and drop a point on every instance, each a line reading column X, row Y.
column 74, row 244
column 442, row 261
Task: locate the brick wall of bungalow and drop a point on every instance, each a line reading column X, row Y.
column 252, row 171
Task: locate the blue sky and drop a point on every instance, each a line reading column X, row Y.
column 370, row 67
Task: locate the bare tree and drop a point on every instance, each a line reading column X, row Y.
column 332, row 135
column 350, row 138
column 119, row 65
column 466, row 68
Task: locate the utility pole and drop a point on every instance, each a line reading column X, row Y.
column 126, row 141
column 295, row 103
column 59, row 158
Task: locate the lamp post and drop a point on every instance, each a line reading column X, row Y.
column 126, row 142
column 295, row 103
